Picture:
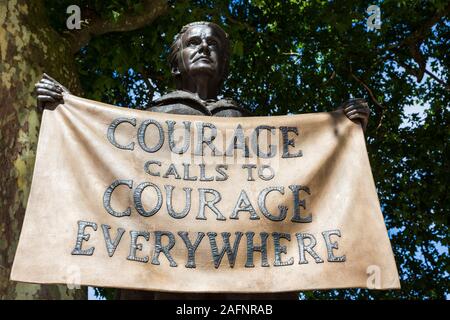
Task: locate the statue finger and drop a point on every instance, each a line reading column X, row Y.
column 353, row 110
column 48, row 82
column 55, row 86
column 51, row 93
column 352, row 101
column 360, row 104
column 59, row 85
column 357, row 116
column 358, row 108
column 47, row 86
column 45, row 98
column 46, row 76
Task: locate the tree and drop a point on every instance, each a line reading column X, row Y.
column 288, row 57
column 29, row 45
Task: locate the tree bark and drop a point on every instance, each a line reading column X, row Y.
column 28, row 47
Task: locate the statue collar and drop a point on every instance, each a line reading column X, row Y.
column 207, row 107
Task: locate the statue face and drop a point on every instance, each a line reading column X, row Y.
column 201, row 52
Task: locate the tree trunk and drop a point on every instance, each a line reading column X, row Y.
column 28, row 47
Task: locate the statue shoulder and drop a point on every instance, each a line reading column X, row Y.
column 227, row 108
column 179, row 102
column 183, row 102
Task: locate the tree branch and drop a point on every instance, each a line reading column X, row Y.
column 416, row 73
column 413, row 43
column 129, row 21
column 333, row 75
column 375, row 101
column 420, row 34
column 442, row 82
column 291, row 53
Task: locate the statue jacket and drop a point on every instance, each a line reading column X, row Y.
column 183, row 102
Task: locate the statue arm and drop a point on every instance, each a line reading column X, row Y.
column 49, row 91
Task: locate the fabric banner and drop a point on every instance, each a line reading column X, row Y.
column 143, row 200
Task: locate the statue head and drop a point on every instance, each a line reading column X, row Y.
column 200, row 49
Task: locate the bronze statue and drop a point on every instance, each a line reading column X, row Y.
column 199, row 61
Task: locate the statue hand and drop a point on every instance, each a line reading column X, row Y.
column 357, row 110
column 49, row 92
